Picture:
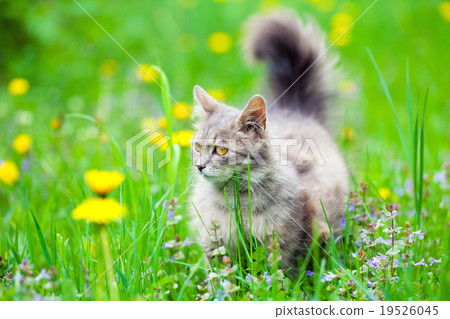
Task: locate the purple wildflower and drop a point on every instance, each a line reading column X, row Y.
column 304, row 295
column 373, row 263
column 409, row 187
column 249, row 278
column 418, row 234
column 43, row 274
column 440, row 177
column 267, row 278
column 380, row 257
column 390, row 214
column 220, row 295
column 369, row 283
column 435, row 261
column 227, row 285
column 170, row 214
column 186, row 242
column 168, row 245
column 38, row 297
column 328, row 277
column 25, row 164
column 25, row 261
column 342, row 222
column 395, row 263
column 165, row 204
column 351, row 206
column 224, row 282
column 421, row 263
column 379, row 223
column 399, row 191
column 309, row 273
column 384, row 241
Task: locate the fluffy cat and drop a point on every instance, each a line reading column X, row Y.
column 287, row 184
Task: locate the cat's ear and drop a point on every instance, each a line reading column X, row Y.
column 253, row 117
column 208, row 103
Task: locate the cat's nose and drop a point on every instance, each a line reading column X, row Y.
column 200, row 167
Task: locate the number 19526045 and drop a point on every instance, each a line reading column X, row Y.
column 409, row 310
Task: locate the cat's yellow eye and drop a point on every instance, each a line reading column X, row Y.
column 198, row 148
column 221, row 150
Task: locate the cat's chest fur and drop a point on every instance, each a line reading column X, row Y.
column 276, row 210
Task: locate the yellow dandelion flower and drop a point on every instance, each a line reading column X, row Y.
column 22, row 143
column 340, row 23
column 109, row 68
column 147, row 73
column 181, row 111
column 150, row 123
column 99, row 210
column 219, row 42
column 444, row 10
column 340, row 37
column 162, row 121
column 347, row 133
column 160, row 140
column 9, row 173
column 154, row 123
column 342, row 20
column 104, row 138
column 183, row 138
column 103, row 182
column 55, row 124
column 18, row 86
column 384, row 193
column 217, row 94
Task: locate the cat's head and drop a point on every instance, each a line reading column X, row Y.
column 227, row 137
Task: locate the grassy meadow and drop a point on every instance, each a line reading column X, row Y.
column 70, row 98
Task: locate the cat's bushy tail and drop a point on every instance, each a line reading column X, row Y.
column 299, row 72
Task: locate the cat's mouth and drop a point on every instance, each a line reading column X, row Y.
column 210, row 176
column 213, row 177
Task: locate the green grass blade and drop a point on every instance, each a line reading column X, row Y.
column 250, row 213
column 41, row 240
column 30, row 242
column 421, row 163
column 391, row 103
column 333, row 242
column 188, row 279
column 414, row 168
column 347, row 231
column 409, row 99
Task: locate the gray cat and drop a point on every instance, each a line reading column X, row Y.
column 286, row 182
